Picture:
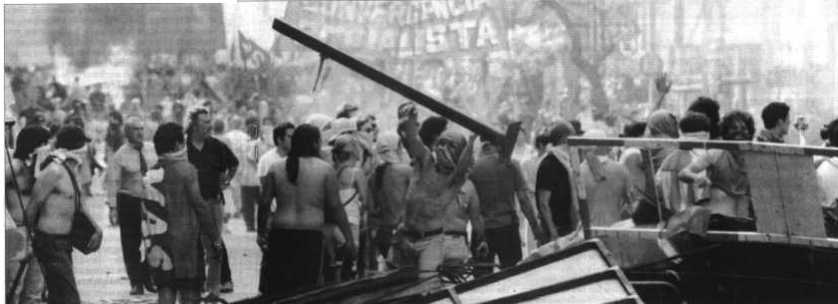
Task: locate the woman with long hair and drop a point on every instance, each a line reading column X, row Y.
column 352, row 189
column 305, row 188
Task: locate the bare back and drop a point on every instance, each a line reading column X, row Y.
column 301, row 205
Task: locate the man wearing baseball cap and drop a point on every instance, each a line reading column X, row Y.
column 51, row 211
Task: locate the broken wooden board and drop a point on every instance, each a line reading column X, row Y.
column 544, row 274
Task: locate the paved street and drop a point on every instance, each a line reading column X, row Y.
column 101, row 275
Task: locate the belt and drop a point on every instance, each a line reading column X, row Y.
column 457, row 233
column 420, row 234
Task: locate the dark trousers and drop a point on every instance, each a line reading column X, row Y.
column 54, row 252
column 226, row 277
column 250, row 197
column 505, row 242
column 129, row 212
column 383, row 240
column 294, row 260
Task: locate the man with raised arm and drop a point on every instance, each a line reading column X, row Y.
column 440, row 171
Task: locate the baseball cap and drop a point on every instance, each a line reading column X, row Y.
column 71, row 138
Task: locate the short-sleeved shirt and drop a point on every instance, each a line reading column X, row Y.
column 211, row 161
column 725, row 172
column 554, row 177
column 266, row 161
column 606, row 197
column 496, row 183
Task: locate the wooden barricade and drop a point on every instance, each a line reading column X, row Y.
column 785, row 194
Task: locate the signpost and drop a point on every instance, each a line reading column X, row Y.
column 328, row 52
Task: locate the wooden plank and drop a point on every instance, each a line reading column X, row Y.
column 641, row 234
column 599, row 287
column 766, row 192
column 801, row 196
column 653, row 143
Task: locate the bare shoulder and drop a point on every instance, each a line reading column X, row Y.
column 402, row 169
column 53, row 172
column 323, row 165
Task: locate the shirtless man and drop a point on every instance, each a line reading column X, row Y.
column 52, row 208
column 440, row 174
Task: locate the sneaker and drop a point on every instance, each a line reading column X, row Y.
column 226, row 287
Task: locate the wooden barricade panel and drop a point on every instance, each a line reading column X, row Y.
column 785, row 194
column 802, row 196
column 764, row 178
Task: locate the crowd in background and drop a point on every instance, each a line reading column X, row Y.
column 351, row 197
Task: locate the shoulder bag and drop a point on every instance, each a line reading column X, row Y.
column 83, row 228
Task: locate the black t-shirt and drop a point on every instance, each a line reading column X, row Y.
column 210, row 162
column 553, row 176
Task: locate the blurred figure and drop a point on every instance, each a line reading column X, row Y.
column 388, row 186
column 253, row 149
column 642, row 165
column 20, row 177
column 190, row 216
column 610, row 197
column 282, row 145
column 726, row 176
column 828, row 178
column 353, row 191
column 680, row 195
column 709, row 108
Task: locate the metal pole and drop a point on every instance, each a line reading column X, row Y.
column 379, row 77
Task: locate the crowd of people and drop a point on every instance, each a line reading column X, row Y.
column 351, row 198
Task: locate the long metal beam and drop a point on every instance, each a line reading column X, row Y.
column 397, row 86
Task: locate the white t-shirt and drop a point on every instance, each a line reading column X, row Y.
column 828, row 180
column 266, row 161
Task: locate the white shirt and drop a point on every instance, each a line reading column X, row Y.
column 266, row 161
column 828, row 180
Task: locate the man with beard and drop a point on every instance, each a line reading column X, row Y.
column 54, row 202
column 440, row 173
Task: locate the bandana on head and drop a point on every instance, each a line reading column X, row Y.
column 662, row 122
